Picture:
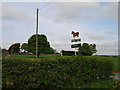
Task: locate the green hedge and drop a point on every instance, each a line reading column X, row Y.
column 63, row 72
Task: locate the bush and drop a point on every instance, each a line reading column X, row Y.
column 61, row 73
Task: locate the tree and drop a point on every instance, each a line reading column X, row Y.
column 93, row 48
column 14, row 48
column 24, row 47
column 0, row 50
column 43, row 45
column 87, row 49
column 4, row 52
column 50, row 51
column 61, row 52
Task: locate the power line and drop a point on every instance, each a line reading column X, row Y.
column 29, row 24
column 29, row 21
column 45, row 5
column 25, row 30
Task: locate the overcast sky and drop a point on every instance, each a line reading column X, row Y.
column 97, row 22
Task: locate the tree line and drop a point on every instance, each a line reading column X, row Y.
column 45, row 48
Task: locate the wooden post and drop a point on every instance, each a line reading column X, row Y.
column 37, row 34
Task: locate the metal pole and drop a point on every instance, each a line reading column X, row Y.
column 37, row 34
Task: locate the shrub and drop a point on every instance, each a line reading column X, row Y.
column 60, row 73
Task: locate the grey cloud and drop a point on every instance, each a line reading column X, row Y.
column 60, row 45
column 108, row 44
column 13, row 27
column 109, row 11
column 7, row 44
column 72, row 11
column 95, row 36
column 108, row 47
column 112, row 32
column 73, row 7
column 13, row 14
column 76, row 12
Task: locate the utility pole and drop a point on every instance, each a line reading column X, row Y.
column 37, row 28
column 37, row 34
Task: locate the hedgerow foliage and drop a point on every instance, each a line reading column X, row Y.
column 63, row 72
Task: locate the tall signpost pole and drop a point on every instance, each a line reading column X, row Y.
column 75, row 49
column 76, row 41
column 75, row 52
column 37, row 34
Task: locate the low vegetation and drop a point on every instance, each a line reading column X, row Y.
column 56, row 72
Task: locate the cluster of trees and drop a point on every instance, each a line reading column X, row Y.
column 43, row 45
column 14, row 48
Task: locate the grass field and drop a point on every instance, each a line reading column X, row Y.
column 109, row 83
